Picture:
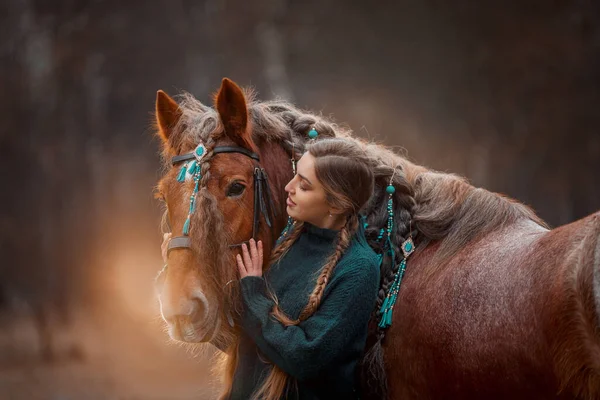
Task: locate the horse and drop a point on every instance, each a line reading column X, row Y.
column 493, row 304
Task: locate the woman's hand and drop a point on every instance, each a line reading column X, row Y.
column 250, row 262
column 165, row 245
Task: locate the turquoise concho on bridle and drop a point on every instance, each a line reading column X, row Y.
column 263, row 202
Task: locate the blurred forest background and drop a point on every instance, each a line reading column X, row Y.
column 506, row 93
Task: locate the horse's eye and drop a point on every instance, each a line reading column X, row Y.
column 236, row 189
column 160, row 197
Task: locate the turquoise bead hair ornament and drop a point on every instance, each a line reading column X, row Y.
column 192, row 170
column 407, row 248
column 312, row 134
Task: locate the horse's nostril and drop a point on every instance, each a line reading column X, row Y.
column 190, row 310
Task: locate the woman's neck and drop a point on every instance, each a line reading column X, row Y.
column 335, row 222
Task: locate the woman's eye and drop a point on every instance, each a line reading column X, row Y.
column 236, row 189
column 302, row 188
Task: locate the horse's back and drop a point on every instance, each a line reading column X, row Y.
column 485, row 324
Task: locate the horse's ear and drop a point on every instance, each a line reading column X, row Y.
column 167, row 115
column 233, row 111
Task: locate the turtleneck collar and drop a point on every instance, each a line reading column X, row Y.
column 323, row 233
column 330, row 234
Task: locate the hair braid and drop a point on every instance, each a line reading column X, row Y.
column 343, row 242
column 299, row 122
column 404, row 203
column 208, row 218
column 371, row 370
column 400, row 233
column 287, row 242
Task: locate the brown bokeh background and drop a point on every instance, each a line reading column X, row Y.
column 505, row 93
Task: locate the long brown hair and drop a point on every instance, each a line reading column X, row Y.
column 343, row 169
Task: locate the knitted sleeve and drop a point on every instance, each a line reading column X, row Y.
column 305, row 350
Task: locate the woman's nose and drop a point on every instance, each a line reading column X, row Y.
column 288, row 187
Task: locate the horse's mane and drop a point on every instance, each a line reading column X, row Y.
column 447, row 208
column 443, row 207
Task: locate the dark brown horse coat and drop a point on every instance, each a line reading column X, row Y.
column 513, row 315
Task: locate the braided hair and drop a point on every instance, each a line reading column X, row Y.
column 400, row 173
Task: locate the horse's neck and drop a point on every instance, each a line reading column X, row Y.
column 501, row 246
column 276, row 161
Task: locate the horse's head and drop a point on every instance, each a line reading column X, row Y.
column 217, row 198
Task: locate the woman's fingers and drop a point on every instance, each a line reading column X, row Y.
column 246, row 257
column 254, row 254
column 252, row 258
column 241, row 266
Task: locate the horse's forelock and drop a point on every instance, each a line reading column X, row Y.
column 198, row 123
column 209, row 238
column 215, row 269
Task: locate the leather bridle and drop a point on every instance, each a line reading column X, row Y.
column 263, row 202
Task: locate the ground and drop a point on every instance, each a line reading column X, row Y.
column 102, row 356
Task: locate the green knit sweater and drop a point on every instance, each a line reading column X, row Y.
column 321, row 352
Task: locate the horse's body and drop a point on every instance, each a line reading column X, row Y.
column 509, row 317
column 493, row 305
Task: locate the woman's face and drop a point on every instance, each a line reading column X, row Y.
column 306, row 197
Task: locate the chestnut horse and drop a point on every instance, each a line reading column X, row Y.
column 493, row 304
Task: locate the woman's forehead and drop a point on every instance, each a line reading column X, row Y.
column 306, row 166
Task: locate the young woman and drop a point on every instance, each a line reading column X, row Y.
column 305, row 321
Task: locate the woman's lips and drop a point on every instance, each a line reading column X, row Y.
column 290, row 203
